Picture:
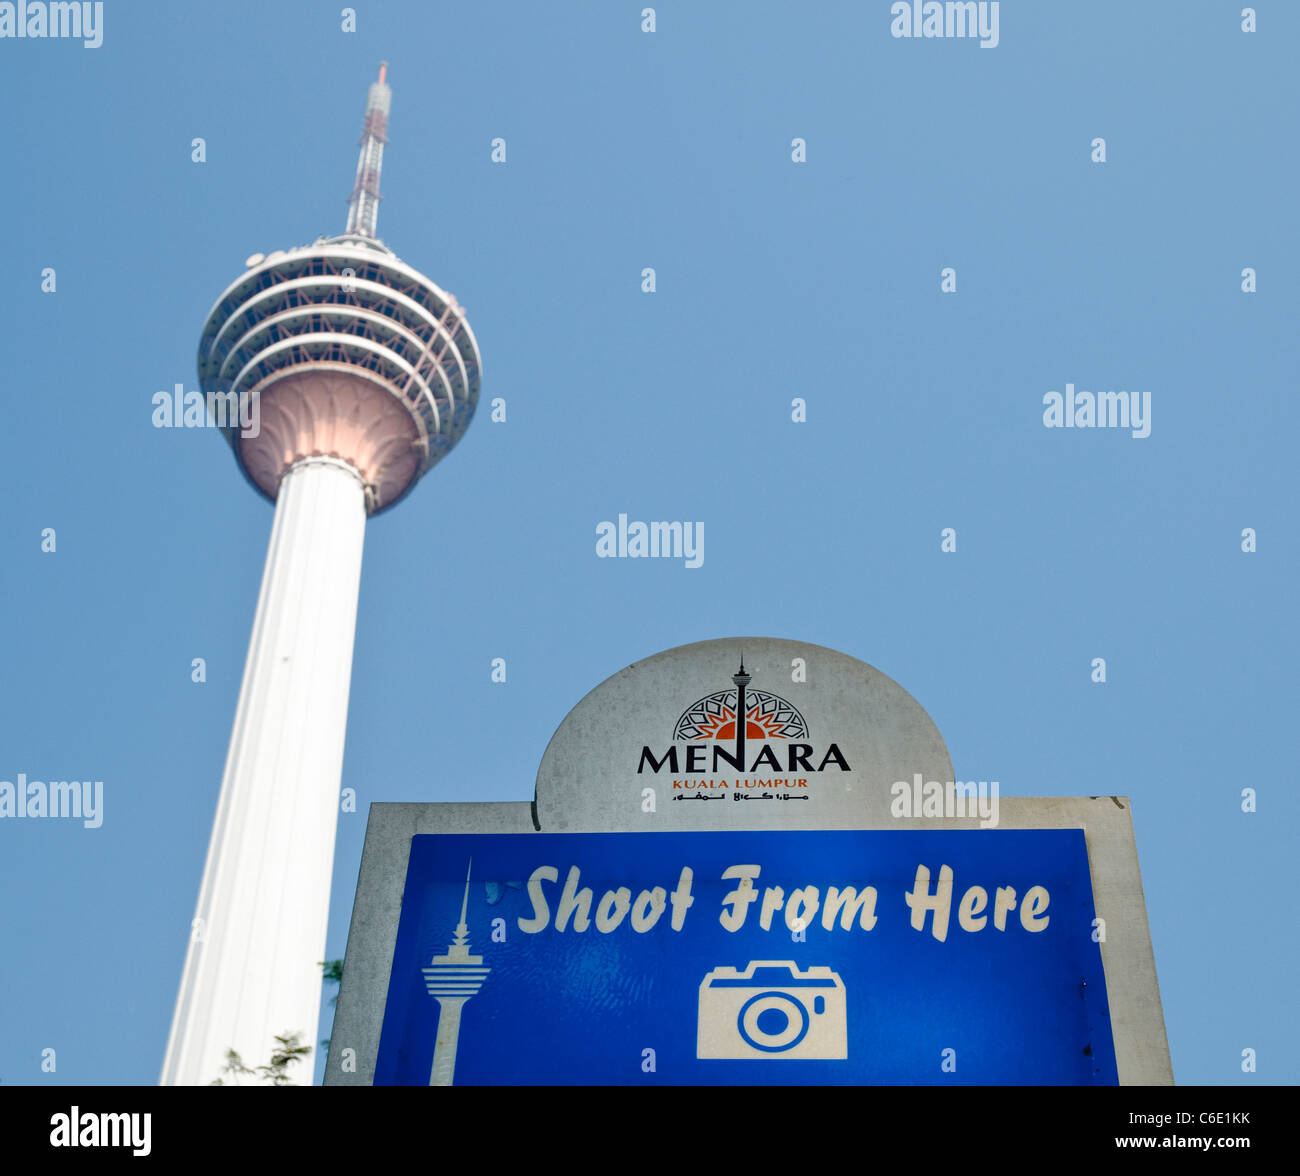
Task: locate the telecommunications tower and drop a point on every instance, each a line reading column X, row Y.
column 451, row 980
column 354, row 375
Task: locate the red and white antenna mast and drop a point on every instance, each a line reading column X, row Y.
column 363, row 204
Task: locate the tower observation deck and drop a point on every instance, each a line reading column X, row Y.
column 354, row 375
column 344, row 350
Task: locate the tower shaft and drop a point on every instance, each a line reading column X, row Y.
column 252, row 968
column 443, row 1071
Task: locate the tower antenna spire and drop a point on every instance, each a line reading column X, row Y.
column 363, row 204
column 461, row 929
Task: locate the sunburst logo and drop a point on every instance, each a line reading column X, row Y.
column 767, row 716
column 742, row 717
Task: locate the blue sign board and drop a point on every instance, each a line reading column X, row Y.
column 896, row 957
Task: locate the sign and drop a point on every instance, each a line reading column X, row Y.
column 658, row 746
column 674, row 907
column 865, row 957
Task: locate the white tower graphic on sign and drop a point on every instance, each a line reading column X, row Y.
column 451, row 981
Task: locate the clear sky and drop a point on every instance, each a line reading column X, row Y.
column 774, row 280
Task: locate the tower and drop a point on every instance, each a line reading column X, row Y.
column 451, row 980
column 353, row 375
column 742, row 681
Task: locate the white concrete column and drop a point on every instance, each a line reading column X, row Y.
column 253, row 966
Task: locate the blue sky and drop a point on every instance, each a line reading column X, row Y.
column 774, row 280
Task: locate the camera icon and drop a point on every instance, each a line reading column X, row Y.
column 772, row 1010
